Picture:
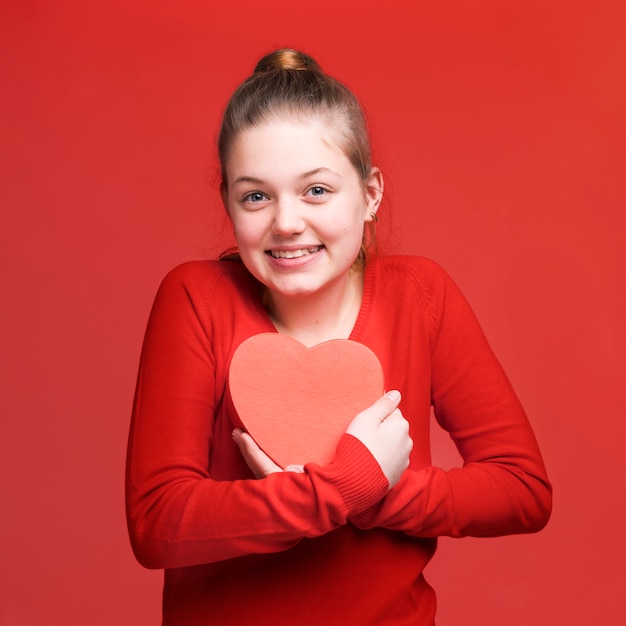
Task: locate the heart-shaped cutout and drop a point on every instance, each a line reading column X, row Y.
column 296, row 402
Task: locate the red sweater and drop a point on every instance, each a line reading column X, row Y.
column 326, row 546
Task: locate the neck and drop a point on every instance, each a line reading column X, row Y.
column 325, row 315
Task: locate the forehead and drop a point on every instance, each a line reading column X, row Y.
column 289, row 143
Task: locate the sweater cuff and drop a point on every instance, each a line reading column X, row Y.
column 357, row 475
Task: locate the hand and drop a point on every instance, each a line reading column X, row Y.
column 385, row 433
column 260, row 464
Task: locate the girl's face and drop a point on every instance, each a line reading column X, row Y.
column 297, row 205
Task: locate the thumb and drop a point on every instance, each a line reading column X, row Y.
column 375, row 414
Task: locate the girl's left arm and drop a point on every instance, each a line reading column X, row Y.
column 502, row 487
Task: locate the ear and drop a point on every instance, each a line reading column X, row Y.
column 374, row 188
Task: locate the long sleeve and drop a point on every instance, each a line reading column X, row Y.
column 178, row 512
column 502, row 487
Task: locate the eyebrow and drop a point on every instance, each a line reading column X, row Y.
column 247, row 179
column 308, row 174
column 319, row 170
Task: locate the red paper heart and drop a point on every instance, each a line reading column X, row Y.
column 295, row 401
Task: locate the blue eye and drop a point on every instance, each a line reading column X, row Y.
column 317, row 191
column 255, row 196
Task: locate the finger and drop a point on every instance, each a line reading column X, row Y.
column 260, row 464
column 384, row 406
column 393, row 398
column 374, row 415
column 297, row 469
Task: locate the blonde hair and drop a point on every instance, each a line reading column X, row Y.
column 290, row 83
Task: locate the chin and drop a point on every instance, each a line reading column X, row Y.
column 295, row 291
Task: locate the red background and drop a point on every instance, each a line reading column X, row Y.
column 500, row 126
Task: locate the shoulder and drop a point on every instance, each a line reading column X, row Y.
column 208, row 286
column 205, row 275
column 410, row 281
column 208, row 293
column 424, row 274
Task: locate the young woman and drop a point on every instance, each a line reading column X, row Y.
column 243, row 541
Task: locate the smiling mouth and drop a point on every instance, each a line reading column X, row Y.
column 293, row 254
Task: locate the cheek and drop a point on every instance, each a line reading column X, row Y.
column 350, row 238
column 245, row 230
column 357, row 225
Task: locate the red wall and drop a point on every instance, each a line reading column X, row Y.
column 500, row 127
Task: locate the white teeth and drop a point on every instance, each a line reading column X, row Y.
column 293, row 254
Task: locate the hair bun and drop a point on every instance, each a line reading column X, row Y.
column 286, row 59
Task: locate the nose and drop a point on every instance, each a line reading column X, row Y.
column 288, row 218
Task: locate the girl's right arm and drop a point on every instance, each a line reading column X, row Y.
column 178, row 514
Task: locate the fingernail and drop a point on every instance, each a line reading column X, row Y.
column 393, row 395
